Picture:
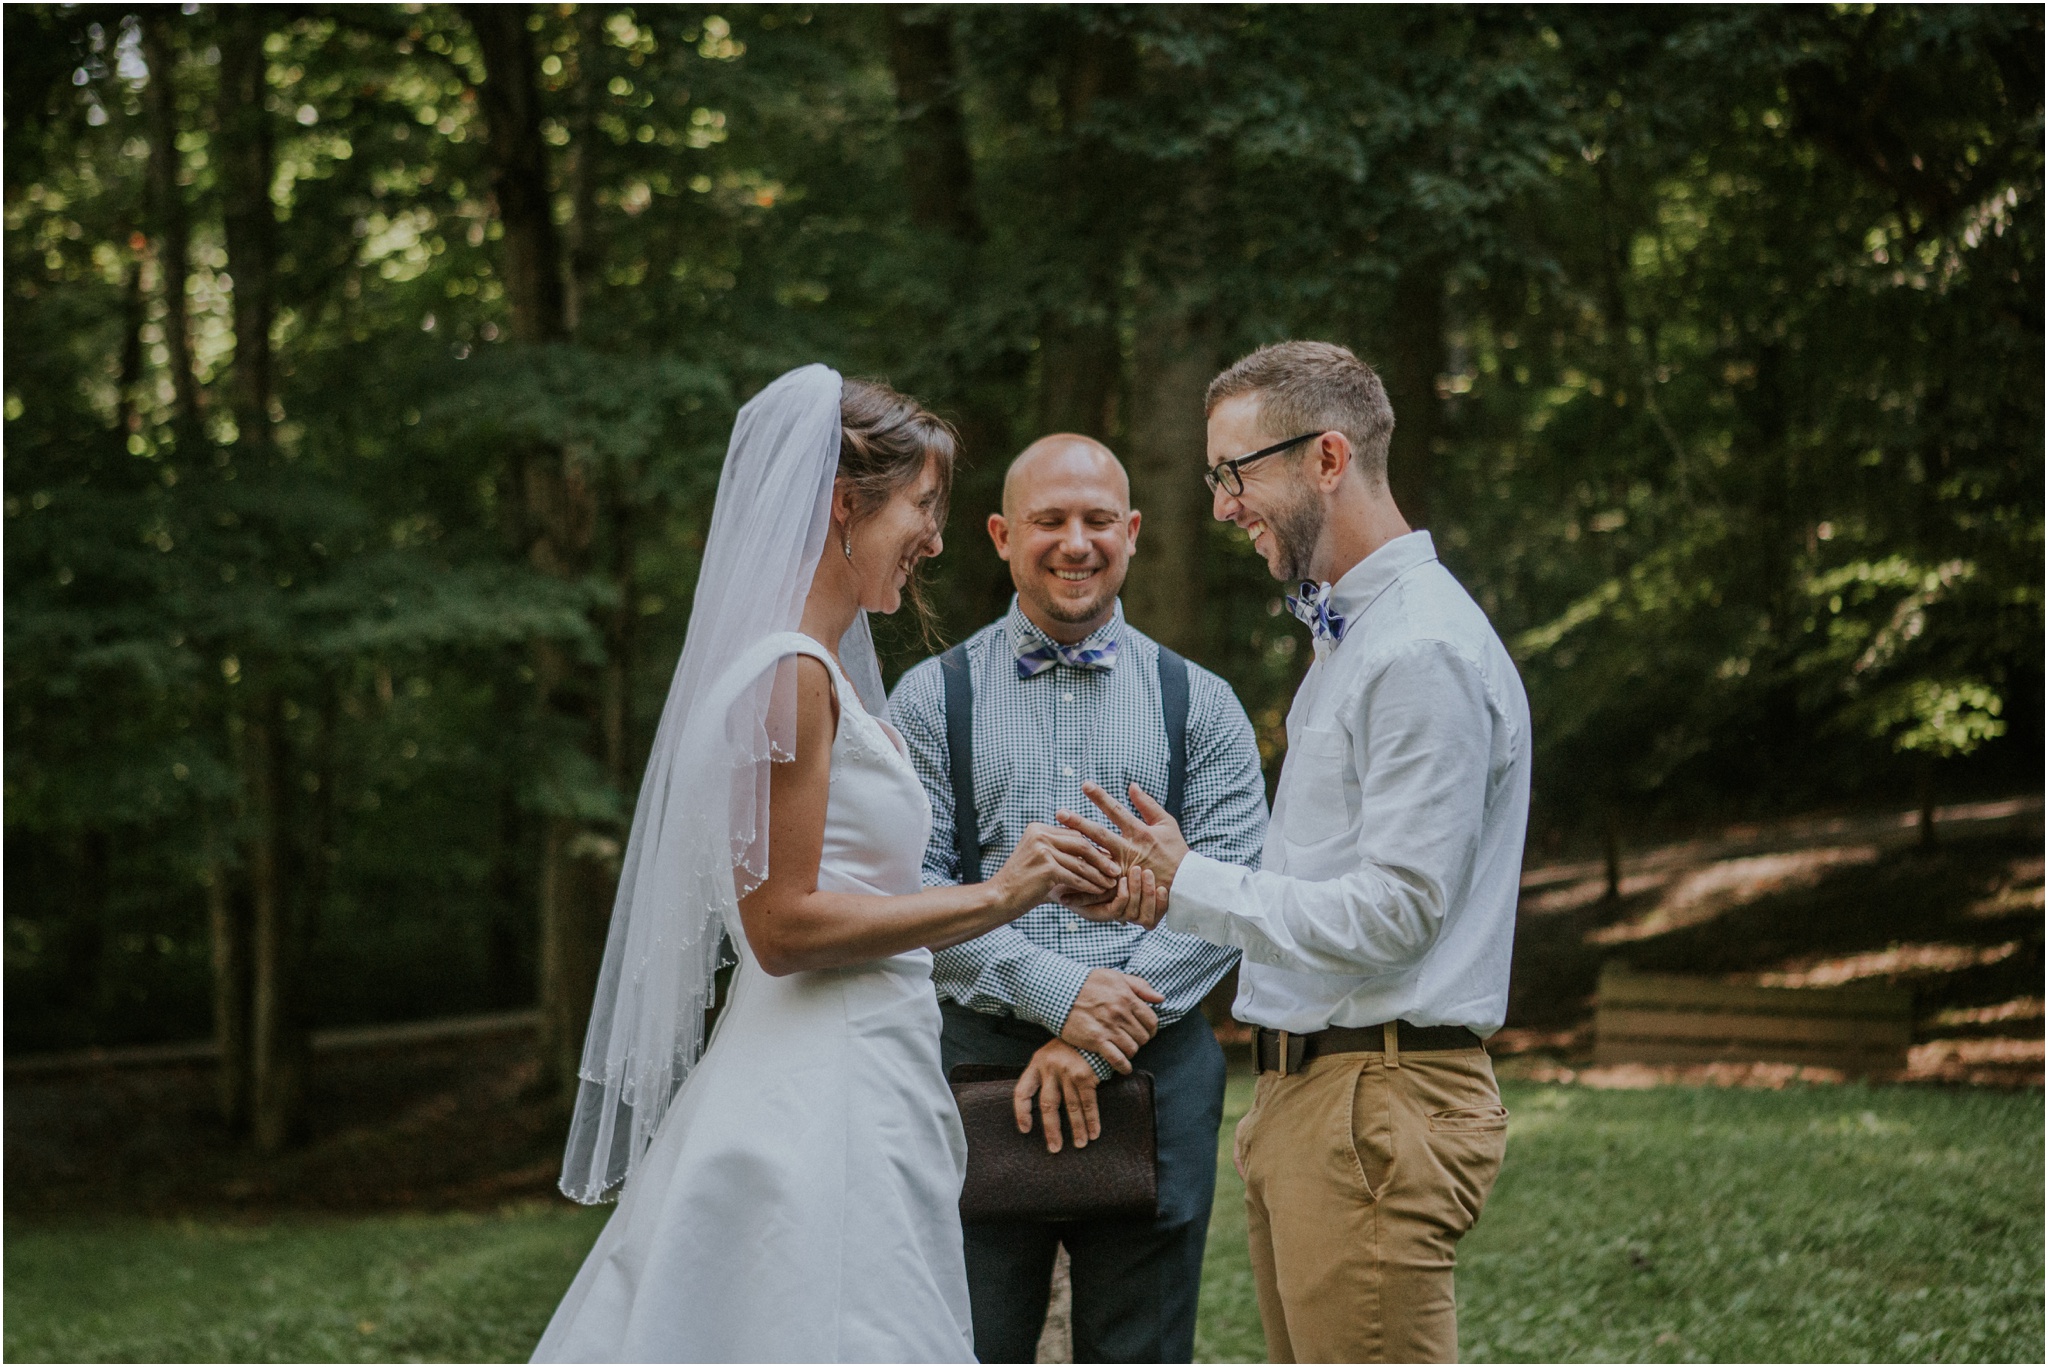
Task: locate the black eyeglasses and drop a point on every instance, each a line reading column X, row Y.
column 1228, row 475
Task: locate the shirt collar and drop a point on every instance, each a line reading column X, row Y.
column 1025, row 635
column 1364, row 582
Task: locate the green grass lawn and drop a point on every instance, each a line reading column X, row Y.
column 1669, row 1225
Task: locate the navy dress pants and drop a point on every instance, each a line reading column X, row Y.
column 1136, row 1281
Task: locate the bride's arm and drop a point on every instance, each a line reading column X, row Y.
column 792, row 926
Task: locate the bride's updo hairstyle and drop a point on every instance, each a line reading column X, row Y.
column 885, row 441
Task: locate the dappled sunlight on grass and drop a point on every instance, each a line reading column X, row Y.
column 1895, row 961
column 2018, row 1009
column 1695, row 898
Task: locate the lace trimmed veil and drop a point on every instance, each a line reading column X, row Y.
column 700, row 830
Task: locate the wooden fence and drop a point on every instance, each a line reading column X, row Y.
column 1665, row 1018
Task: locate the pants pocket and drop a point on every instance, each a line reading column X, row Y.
column 1469, row 1144
column 1241, row 1139
column 1368, row 1148
column 1470, row 1118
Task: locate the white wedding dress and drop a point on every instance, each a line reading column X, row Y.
column 800, row 1200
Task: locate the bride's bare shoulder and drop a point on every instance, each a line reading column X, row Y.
column 817, row 704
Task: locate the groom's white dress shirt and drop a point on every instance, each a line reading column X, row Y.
column 1393, row 859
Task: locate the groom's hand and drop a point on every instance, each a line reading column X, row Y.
column 1061, row 1080
column 1113, row 1016
column 1148, row 839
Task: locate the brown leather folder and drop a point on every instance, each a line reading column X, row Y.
column 1010, row 1176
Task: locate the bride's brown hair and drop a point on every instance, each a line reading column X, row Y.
column 885, row 441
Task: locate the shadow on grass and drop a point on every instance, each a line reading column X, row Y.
column 1960, row 894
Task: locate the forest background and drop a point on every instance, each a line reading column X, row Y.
column 369, row 369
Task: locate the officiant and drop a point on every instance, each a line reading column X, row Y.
column 1063, row 691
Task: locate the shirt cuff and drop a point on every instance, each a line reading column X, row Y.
column 1098, row 1063
column 1199, row 902
column 1055, row 982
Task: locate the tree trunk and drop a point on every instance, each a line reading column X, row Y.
column 1175, row 352
column 531, row 262
column 1171, row 366
column 1417, row 358
column 558, row 513
column 1929, row 837
column 937, row 169
column 586, row 249
column 511, row 895
column 166, row 199
column 134, row 314
column 246, row 170
column 277, row 1046
column 1080, row 369
column 227, row 924
column 586, row 255
column 579, row 875
column 1610, row 834
column 1080, row 356
column 938, row 173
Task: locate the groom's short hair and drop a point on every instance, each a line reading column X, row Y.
column 1315, row 387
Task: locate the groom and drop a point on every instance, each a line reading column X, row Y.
column 1062, row 692
column 1376, row 933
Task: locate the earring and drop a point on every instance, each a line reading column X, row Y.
column 846, row 544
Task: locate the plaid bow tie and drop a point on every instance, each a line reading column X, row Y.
column 1037, row 660
column 1313, row 608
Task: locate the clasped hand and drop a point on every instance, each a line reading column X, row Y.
column 1148, row 847
column 1054, row 864
column 1114, row 1016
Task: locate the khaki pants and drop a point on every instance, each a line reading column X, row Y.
column 1360, row 1178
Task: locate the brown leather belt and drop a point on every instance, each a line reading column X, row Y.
column 1283, row 1052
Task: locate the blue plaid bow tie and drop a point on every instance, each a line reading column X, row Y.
column 1313, row 608
column 1038, row 659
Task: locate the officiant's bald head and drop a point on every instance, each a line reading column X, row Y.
column 1059, row 459
column 1067, row 530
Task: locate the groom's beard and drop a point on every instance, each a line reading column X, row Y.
column 1296, row 527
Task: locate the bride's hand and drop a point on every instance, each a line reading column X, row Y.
column 1138, row 898
column 1052, row 863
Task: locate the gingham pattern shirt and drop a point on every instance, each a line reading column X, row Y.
column 1035, row 741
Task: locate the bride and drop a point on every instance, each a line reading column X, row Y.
column 794, row 1195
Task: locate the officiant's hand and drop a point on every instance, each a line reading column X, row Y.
column 1113, row 1016
column 1061, row 1080
column 1148, row 840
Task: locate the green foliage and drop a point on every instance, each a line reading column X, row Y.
column 1715, row 337
column 1678, row 1224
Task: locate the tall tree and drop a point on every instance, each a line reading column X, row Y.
column 168, row 216
column 282, row 883
column 970, row 371
column 555, row 509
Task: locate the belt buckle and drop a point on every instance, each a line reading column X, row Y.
column 1281, row 1052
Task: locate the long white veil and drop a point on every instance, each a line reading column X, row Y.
column 700, row 830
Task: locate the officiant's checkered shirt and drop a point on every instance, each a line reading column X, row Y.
column 1035, row 741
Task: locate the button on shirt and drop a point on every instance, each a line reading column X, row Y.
column 1035, row 741
column 1392, row 865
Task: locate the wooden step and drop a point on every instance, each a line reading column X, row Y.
column 1672, row 1018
